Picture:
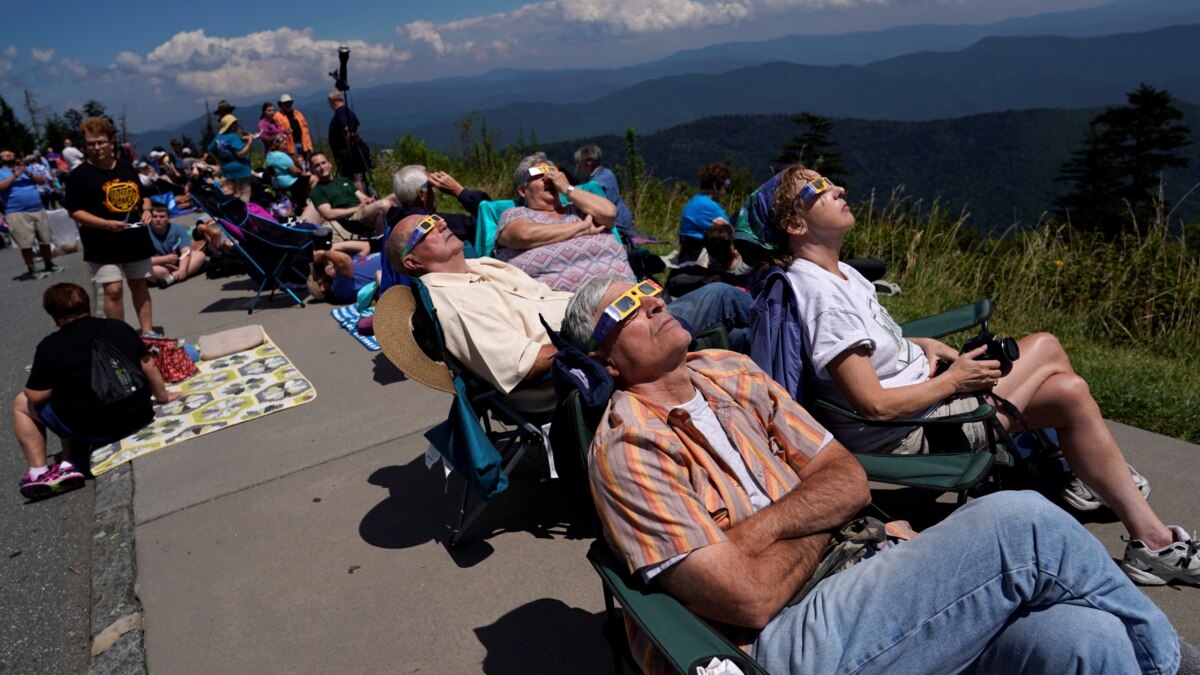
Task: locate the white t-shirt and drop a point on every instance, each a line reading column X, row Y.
column 840, row 314
column 73, row 157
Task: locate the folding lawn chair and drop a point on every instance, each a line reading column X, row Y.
column 488, row 219
column 483, row 436
column 682, row 639
column 278, row 256
column 782, row 356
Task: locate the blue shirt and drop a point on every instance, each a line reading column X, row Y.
column 22, row 195
column 698, row 215
column 608, row 181
column 346, row 290
column 225, row 147
column 281, row 162
column 175, row 239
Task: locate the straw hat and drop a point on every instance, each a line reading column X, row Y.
column 394, row 331
column 226, row 122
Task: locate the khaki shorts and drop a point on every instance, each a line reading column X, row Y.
column 105, row 273
column 29, row 225
column 960, row 438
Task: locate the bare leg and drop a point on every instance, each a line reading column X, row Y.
column 1045, row 387
column 140, row 294
column 47, row 255
column 27, row 255
column 30, row 432
column 191, row 265
column 114, row 300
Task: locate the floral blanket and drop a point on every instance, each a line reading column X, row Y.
column 226, row 391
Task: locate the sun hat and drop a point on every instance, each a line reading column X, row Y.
column 394, row 314
column 286, row 98
column 226, row 122
column 223, row 108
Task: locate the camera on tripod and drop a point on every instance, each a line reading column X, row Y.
column 340, row 81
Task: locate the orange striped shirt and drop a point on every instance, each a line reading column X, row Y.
column 659, row 487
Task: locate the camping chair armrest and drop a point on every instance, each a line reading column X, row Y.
column 983, row 412
column 679, row 635
column 949, row 322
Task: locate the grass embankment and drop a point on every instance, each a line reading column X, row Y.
column 1128, row 312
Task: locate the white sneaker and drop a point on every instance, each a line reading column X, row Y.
column 1081, row 498
column 1175, row 562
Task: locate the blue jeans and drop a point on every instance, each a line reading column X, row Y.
column 1008, row 583
column 717, row 303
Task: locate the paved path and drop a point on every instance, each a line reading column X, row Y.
column 310, row 540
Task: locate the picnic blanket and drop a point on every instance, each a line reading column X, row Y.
column 230, row 390
column 347, row 317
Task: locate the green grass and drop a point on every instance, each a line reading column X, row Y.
column 1127, row 311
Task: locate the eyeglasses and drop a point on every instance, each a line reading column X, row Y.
column 423, row 228
column 811, row 190
column 621, row 309
column 97, row 144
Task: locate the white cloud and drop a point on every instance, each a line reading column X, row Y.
column 263, row 63
column 5, row 68
column 10, row 51
column 75, row 67
column 41, row 55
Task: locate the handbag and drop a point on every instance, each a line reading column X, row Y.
column 171, row 358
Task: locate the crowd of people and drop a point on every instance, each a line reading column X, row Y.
column 703, row 463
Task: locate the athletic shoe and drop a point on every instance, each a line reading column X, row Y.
column 56, row 480
column 165, row 281
column 1081, row 498
column 54, row 269
column 1177, row 561
column 36, row 274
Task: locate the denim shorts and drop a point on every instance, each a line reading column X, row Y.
column 47, row 416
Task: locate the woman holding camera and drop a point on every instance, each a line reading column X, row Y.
column 860, row 359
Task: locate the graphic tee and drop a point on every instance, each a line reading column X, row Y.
column 111, row 194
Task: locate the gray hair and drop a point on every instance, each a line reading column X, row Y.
column 524, row 164
column 589, row 154
column 394, row 250
column 580, row 318
column 336, row 95
column 407, row 183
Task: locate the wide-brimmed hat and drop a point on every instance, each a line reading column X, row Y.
column 226, row 122
column 394, row 330
column 223, row 108
column 285, row 99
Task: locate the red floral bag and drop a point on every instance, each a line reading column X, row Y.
column 171, row 358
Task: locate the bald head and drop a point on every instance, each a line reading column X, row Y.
column 437, row 251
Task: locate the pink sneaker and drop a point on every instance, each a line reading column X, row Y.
column 56, row 480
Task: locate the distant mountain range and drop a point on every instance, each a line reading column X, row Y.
column 903, row 80
column 998, row 167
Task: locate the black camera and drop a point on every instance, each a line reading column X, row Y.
column 1002, row 349
column 340, row 81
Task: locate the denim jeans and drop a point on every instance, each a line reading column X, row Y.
column 717, row 303
column 1008, row 583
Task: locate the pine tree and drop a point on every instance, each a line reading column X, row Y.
column 635, row 168
column 815, row 148
column 1116, row 173
column 14, row 135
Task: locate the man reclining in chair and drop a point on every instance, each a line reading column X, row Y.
column 352, row 214
column 715, row 486
column 489, row 310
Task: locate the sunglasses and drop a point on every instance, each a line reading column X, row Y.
column 621, row 309
column 423, row 228
column 535, row 171
column 811, row 190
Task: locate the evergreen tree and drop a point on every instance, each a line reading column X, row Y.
column 814, row 146
column 14, row 135
column 1116, row 173
column 635, row 168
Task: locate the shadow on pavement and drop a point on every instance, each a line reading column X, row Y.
column 385, row 371
column 421, row 506
column 546, row 636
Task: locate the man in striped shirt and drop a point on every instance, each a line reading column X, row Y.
column 714, row 485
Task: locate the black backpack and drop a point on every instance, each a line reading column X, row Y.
column 115, row 377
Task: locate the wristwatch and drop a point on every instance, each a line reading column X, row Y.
column 570, row 189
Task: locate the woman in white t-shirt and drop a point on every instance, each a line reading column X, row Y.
column 860, row 358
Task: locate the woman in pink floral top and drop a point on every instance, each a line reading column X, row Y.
column 560, row 246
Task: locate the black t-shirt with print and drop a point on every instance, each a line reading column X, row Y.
column 62, row 364
column 111, row 194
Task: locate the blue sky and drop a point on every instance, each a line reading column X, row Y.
column 159, row 65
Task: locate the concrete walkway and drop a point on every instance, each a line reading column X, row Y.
column 310, row 540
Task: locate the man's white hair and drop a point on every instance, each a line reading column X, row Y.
column 407, row 183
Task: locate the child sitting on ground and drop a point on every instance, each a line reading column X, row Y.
column 339, row 274
column 176, row 256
